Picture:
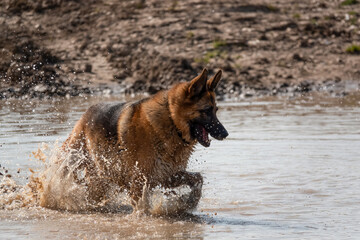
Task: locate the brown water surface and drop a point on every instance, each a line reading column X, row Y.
column 290, row 169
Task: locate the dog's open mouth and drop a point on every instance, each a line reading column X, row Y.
column 201, row 135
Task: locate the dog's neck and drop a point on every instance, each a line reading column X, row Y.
column 178, row 131
column 162, row 114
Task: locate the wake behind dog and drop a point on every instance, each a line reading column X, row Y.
column 134, row 149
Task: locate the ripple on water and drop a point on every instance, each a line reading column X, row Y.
column 289, row 170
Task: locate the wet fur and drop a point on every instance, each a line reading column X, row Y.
column 147, row 142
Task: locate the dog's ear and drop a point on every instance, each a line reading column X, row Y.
column 214, row 81
column 198, row 84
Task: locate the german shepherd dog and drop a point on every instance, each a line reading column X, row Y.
column 148, row 142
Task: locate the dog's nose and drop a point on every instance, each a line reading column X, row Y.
column 224, row 134
column 219, row 132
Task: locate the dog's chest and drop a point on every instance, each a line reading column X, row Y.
column 163, row 169
column 170, row 162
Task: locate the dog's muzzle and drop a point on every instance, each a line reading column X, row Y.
column 217, row 130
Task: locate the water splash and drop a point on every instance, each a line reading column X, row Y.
column 14, row 196
column 61, row 184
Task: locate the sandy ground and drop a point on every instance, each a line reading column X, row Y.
column 68, row 48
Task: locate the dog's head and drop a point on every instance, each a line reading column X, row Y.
column 193, row 109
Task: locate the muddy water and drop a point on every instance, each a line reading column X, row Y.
column 290, row 169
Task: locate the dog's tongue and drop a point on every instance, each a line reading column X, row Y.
column 202, row 135
column 205, row 135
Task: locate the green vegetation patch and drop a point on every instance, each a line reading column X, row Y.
column 349, row 2
column 190, row 35
column 352, row 13
column 210, row 55
column 273, row 8
column 297, row 16
column 219, row 43
column 353, row 49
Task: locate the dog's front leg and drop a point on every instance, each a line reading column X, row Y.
column 193, row 180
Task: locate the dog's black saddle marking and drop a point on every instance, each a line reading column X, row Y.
column 111, row 119
column 105, row 116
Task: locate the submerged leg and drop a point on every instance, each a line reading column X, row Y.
column 193, row 180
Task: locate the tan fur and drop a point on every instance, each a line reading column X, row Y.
column 147, row 146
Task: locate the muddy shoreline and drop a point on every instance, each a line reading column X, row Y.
column 58, row 48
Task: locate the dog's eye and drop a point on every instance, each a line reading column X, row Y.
column 207, row 110
column 216, row 109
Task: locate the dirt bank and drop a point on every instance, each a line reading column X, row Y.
column 68, row 48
